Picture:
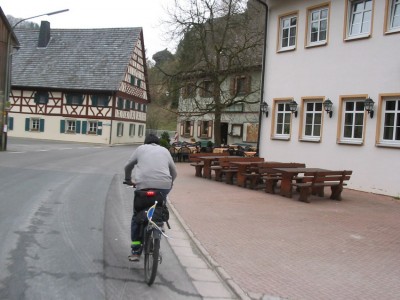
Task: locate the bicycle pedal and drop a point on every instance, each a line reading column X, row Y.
column 160, row 258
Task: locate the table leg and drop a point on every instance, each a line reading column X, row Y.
column 240, row 178
column 286, row 185
column 207, row 169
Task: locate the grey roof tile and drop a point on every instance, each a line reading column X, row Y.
column 81, row 59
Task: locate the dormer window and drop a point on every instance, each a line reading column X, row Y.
column 41, row 97
column 74, row 99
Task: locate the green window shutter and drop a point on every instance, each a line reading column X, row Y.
column 78, row 127
column 99, row 128
column 62, row 126
column 41, row 125
column 95, row 99
column 27, row 124
column 11, row 123
column 84, row 127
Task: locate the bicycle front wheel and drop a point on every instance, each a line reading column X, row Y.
column 151, row 256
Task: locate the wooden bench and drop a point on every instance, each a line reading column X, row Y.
column 196, row 162
column 316, row 182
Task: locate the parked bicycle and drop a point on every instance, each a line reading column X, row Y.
column 152, row 213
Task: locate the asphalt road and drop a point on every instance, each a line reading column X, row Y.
column 64, row 226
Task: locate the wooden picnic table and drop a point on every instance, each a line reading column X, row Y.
column 208, row 161
column 287, row 177
column 242, row 168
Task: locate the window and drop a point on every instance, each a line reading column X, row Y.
column 41, row 97
column 132, row 129
column 92, row 128
column 204, row 129
column 186, row 128
column 390, row 124
column 352, row 130
column 100, row 100
column 141, row 130
column 127, row 105
column 71, row 126
column 312, row 120
column 392, row 18
column 283, row 118
column 120, row 104
column 189, row 90
column 34, row 124
column 317, row 32
column 240, row 85
column 207, row 88
column 120, row 129
column 359, row 18
column 74, row 99
column 287, row 32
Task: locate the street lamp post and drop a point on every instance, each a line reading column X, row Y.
column 5, row 104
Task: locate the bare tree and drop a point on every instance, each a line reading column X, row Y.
column 218, row 38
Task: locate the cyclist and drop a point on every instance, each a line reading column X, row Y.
column 154, row 168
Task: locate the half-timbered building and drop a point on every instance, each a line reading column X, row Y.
column 82, row 85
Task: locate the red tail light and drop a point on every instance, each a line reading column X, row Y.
column 150, row 193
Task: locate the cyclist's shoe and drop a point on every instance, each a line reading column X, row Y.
column 135, row 256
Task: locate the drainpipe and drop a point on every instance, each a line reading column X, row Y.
column 262, row 74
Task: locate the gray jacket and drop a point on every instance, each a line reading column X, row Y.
column 153, row 167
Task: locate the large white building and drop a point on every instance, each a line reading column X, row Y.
column 81, row 85
column 346, row 51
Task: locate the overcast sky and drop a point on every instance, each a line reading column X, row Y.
column 147, row 14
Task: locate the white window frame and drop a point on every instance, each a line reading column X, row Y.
column 283, row 120
column 384, row 121
column 35, row 124
column 132, row 129
column 352, row 16
column 120, row 129
column 141, row 130
column 321, row 19
column 92, row 127
column 312, row 117
column 290, row 27
column 392, row 13
column 70, row 126
column 350, row 118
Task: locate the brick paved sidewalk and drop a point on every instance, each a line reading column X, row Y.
column 279, row 248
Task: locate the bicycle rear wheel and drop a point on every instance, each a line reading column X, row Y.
column 151, row 256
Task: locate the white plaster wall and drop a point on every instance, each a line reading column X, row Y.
column 370, row 66
column 52, row 130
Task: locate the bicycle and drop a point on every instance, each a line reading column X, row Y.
column 152, row 223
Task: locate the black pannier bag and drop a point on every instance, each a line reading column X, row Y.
column 145, row 199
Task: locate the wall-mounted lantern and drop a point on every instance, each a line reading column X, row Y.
column 369, row 106
column 293, row 108
column 328, row 107
column 264, row 108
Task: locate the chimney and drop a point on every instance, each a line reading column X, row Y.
column 44, row 34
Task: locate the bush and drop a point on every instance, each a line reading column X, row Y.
column 165, row 136
column 164, row 143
